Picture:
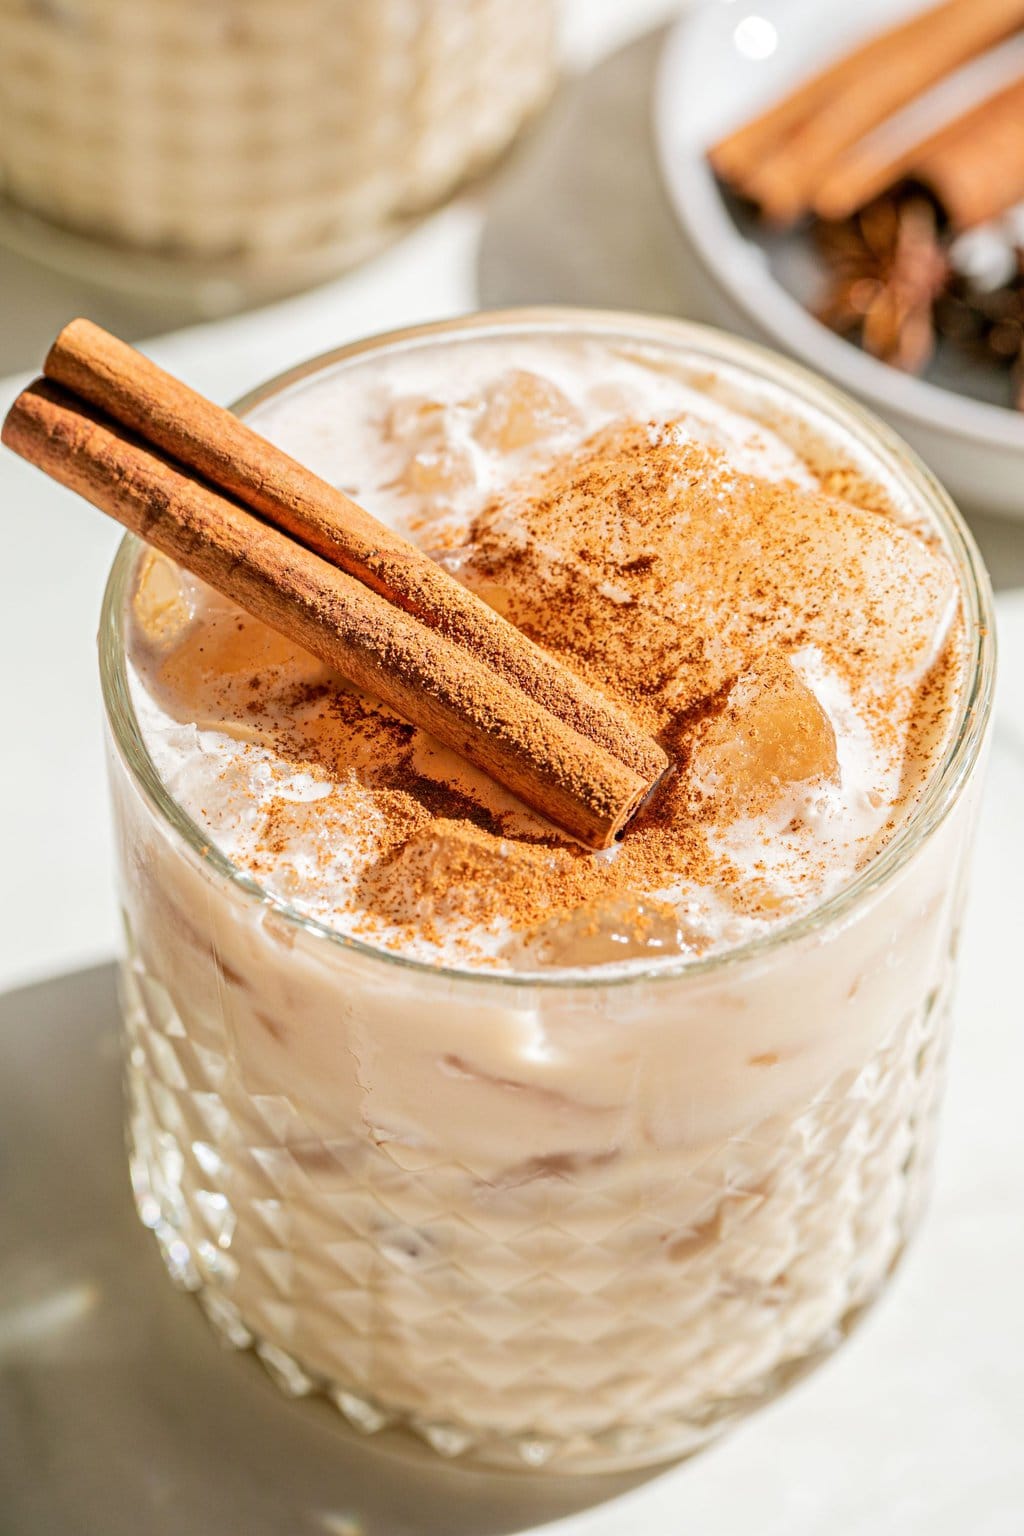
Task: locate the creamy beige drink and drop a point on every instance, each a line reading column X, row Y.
column 560, row 1157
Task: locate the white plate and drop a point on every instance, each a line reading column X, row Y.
column 721, row 64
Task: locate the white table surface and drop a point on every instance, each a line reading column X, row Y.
column 918, row 1425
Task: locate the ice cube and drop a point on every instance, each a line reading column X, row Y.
column 230, row 643
column 162, row 605
column 624, row 929
column 523, row 408
column 876, row 596
column 771, row 732
column 413, row 418
column 714, row 560
column 437, row 466
column 439, row 471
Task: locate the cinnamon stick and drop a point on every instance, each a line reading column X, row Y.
column 205, row 437
column 973, row 165
column 780, row 157
column 418, row 670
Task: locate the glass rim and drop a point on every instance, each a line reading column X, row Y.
column 945, row 782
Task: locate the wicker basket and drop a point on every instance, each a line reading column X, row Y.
column 271, row 137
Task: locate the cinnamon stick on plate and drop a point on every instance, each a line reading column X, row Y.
column 780, row 158
column 974, row 165
column 199, row 485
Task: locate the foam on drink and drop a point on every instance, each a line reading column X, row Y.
column 794, row 648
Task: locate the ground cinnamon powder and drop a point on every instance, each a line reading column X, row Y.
column 665, row 579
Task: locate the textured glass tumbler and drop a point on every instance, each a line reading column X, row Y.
column 546, row 1222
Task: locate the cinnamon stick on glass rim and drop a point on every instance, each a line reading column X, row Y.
column 779, row 158
column 196, row 483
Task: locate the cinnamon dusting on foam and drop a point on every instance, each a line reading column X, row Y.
column 794, row 652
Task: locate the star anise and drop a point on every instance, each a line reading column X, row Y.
column 888, row 267
column 989, row 326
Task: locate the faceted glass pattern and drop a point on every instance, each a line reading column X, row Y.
column 614, row 1316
